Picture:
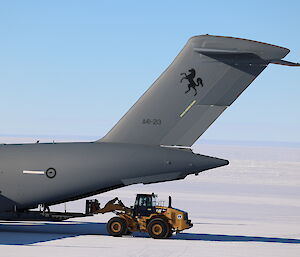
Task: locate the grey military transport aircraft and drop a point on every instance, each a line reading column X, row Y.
column 152, row 141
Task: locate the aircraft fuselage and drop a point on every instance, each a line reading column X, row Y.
column 77, row 170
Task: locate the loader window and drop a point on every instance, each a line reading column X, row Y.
column 144, row 205
column 154, row 201
column 145, row 201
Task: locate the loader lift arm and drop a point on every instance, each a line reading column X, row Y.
column 115, row 205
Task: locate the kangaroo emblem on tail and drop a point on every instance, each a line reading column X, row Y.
column 190, row 78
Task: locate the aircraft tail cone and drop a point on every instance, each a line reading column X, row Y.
column 207, row 162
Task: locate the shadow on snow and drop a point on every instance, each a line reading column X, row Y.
column 25, row 233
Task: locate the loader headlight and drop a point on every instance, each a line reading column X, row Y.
column 179, row 216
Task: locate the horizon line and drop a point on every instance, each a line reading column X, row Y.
column 198, row 142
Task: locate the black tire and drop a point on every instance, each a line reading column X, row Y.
column 170, row 233
column 158, row 228
column 128, row 232
column 116, row 226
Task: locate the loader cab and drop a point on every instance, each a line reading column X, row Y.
column 144, row 204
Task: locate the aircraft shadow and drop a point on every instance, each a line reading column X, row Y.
column 33, row 232
column 37, row 232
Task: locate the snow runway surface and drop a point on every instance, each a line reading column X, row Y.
column 249, row 208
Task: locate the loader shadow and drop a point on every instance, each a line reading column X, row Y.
column 27, row 233
column 233, row 238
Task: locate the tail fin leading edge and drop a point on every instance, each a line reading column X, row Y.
column 204, row 79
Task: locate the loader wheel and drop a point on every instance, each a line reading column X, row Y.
column 170, row 233
column 158, row 229
column 116, row 226
column 128, row 232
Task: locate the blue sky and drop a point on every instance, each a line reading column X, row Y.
column 73, row 68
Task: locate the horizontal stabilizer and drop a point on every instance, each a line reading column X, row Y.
column 286, row 63
column 219, row 51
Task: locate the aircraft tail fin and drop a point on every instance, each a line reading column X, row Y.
column 204, row 79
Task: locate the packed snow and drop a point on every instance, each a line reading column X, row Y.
column 248, row 208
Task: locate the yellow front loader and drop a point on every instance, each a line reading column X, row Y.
column 144, row 216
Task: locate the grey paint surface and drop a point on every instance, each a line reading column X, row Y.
column 88, row 167
column 132, row 152
column 226, row 66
